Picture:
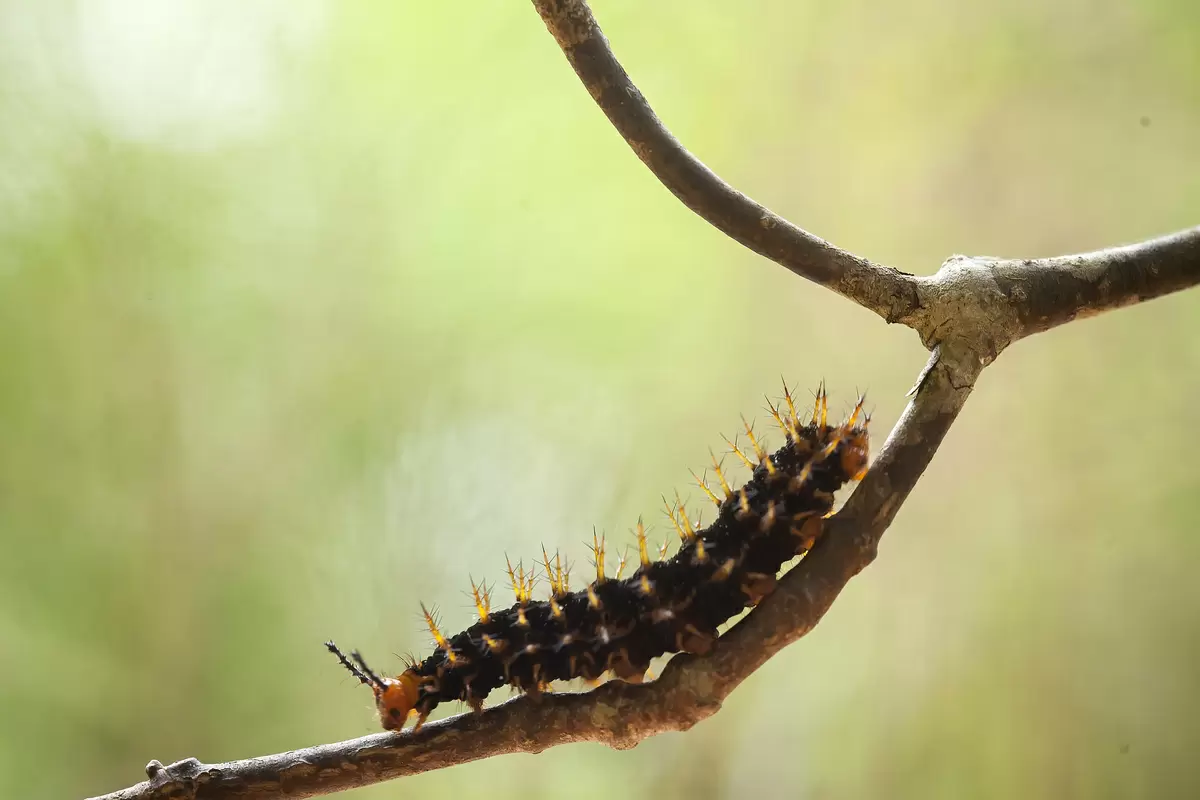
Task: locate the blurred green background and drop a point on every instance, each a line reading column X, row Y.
column 308, row 310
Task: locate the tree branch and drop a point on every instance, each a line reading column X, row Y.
column 617, row 714
column 886, row 291
column 1050, row 291
column 989, row 303
column 966, row 313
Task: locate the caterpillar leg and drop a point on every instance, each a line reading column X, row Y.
column 624, row 668
column 694, row 641
column 757, row 585
column 474, row 701
column 808, row 532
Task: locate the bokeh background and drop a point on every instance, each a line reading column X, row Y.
column 308, row 310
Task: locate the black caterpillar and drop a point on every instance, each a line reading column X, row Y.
column 666, row 606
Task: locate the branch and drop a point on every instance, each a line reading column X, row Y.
column 1051, row 291
column 989, row 303
column 617, row 714
column 888, row 292
column 967, row 313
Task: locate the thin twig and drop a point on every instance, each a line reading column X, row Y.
column 888, row 292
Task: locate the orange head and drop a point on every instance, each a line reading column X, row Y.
column 394, row 697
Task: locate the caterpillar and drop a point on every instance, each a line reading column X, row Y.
column 617, row 625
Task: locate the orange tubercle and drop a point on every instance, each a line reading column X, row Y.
column 856, row 454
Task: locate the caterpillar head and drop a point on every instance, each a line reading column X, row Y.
column 394, row 697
